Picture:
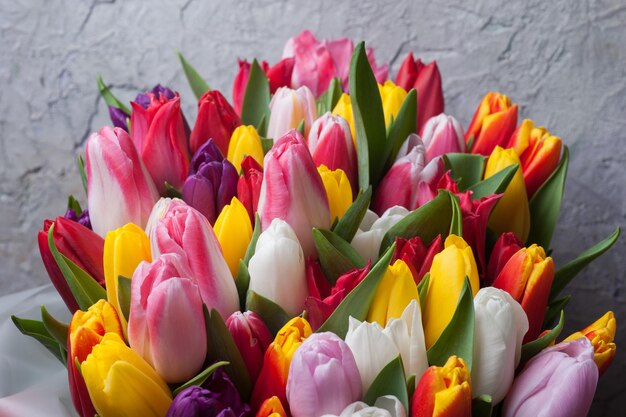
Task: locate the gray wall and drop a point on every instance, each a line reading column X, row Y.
column 563, row 61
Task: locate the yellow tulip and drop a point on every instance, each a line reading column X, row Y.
column 392, row 97
column 601, row 333
column 395, row 291
column 245, row 141
column 234, row 232
column 338, row 190
column 343, row 108
column 511, row 213
column 447, row 277
column 124, row 249
column 121, row 383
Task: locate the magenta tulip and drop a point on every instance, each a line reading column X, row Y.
column 252, row 338
column 442, row 134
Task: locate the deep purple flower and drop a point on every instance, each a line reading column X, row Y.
column 83, row 219
column 208, row 152
column 144, row 100
column 119, row 118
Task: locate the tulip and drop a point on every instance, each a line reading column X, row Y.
column 245, row 141
column 252, row 338
column 216, row 120
column 288, row 109
column 392, row 97
column 277, row 269
column 115, row 172
column 528, row 277
column 249, row 185
column 447, row 277
column 158, row 133
column 124, row 249
column 271, row 408
column 368, row 237
column 330, row 143
column 343, row 108
column 506, row 246
column 499, row 327
column 338, row 190
column 166, row 325
column 208, row 152
column 395, row 291
column 385, row 406
column 323, row 377
column 417, row 256
column 121, row 383
column 82, row 218
column 443, row 391
column 240, row 83
column 293, row 191
column 80, row 245
column 560, row 381
column 234, row 232
column 183, row 230
column 426, row 80
column 493, row 123
column 119, row 118
column 539, row 153
column 512, row 213
column 272, row 380
column 374, row 346
column 85, row 331
column 278, row 76
column 601, row 334
column 442, row 134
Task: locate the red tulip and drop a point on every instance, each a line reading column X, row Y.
column 506, row 246
column 493, row 123
column 252, row 338
column 417, row 255
column 249, row 185
column 278, row 76
column 216, row 120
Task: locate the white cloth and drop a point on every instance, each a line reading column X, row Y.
column 33, row 382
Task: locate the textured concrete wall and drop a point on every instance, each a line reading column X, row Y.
column 563, row 61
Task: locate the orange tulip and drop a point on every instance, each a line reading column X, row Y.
column 601, row 333
column 272, row 407
column 492, row 124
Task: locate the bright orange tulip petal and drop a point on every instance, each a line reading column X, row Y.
column 272, row 407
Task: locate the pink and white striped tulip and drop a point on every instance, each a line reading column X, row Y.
column 115, row 172
column 442, row 134
column 289, row 108
column 252, row 338
column 166, row 325
column 293, row 191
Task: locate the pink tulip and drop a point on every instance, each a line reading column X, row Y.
column 252, row 338
column 115, row 172
column 558, row 382
column 158, row 133
column 442, row 134
column 288, row 109
column 293, row 191
column 166, row 325
column 323, row 377
column 181, row 229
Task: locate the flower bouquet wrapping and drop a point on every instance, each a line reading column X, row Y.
column 329, row 243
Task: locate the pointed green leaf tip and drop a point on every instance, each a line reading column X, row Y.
column 196, row 82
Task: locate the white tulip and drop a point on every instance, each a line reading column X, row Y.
column 368, row 238
column 386, row 406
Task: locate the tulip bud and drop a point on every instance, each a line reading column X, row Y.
column 249, row 185
column 288, row 109
column 324, row 363
column 395, row 291
column 447, row 277
column 368, row 238
column 113, row 371
column 343, row 108
column 392, row 97
column 184, row 231
column 528, row 277
column 272, row 380
column 338, row 190
column 271, row 408
column 601, row 334
column 539, row 153
column 506, row 246
column 493, row 123
column 208, row 152
column 512, row 213
column 234, row 231
column 560, row 381
column 82, row 219
column 166, row 325
column 330, row 143
column 252, row 338
column 385, row 406
column 216, row 120
column 293, row 191
column 158, row 133
column 499, row 327
column 443, row 391
column 277, row 269
column 417, row 255
column 119, row 118
column 442, row 134
column 114, row 172
column 280, row 74
column 245, row 141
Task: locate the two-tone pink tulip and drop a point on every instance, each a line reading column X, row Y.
column 252, row 338
column 288, row 109
column 442, row 134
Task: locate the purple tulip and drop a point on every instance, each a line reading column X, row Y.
column 119, row 118
column 208, row 152
column 158, row 90
column 558, row 382
column 83, row 219
column 323, row 377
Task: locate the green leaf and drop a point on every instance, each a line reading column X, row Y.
column 402, row 127
column 242, row 282
column 530, row 349
column 422, row 288
column 357, row 302
column 482, row 406
column 255, row 236
column 73, row 204
column 466, row 168
column 109, row 98
column 55, row 328
column 271, row 313
column 428, row 221
column 199, row 379
column 256, row 100
column 390, row 381
column 336, row 256
column 196, row 82
column 300, row 127
column 329, row 99
column 81, row 170
column 410, row 385
column 545, row 205
column 456, row 224
column 221, row 346
column 565, row 274
column 495, row 184
column 123, row 295
column 369, row 121
column 554, row 310
column 37, row 330
column 84, row 288
column 347, row 227
column 458, row 336
column 171, row 191
column 266, row 144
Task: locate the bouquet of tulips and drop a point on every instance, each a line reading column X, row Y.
column 328, row 244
